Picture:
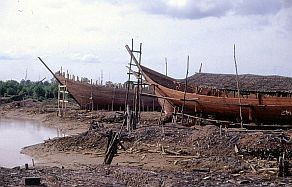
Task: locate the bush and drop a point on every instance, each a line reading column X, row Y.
column 29, row 89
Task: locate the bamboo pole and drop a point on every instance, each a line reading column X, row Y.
column 139, row 90
column 238, row 91
column 113, row 98
column 185, row 91
column 129, row 74
column 165, row 66
column 200, row 70
column 162, row 109
column 91, row 95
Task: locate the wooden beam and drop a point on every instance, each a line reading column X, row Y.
column 206, row 119
column 170, row 98
column 133, row 56
column 49, row 69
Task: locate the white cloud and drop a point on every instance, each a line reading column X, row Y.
column 189, row 9
column 85, row 58
column 83, row 31
column 283, row 20
column 264, row 7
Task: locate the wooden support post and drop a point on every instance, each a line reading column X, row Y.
column 286, row 171
column 134, row 121
column 260, row 98
column 129, row 119
column 113, row 98
column 280, row 166
column 160, row 118
column 174, row 115
column 250, row 116
column 185, row 90
column 165, row 66
column 91, row 96
column 238, row 91
column 135, row 117
column 143, row 105
column 129, row 75
column 62, row 99
column 139, row 87
column 59, row 110
column 26, row 166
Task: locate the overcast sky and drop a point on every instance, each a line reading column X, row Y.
column 89, row 36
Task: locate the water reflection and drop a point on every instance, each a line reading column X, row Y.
column 16, row 134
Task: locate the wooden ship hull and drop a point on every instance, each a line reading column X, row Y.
column 103, row 97
column 257, row 107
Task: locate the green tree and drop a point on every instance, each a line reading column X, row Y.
column 38, row 91
column 2, row 89
column 29, row 89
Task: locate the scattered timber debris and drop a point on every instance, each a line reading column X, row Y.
column 266, row 146
column 114, row 139
column 283, row 169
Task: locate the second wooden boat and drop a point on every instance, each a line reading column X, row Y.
column 270, row 106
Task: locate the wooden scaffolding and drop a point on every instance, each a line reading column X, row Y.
column 134, row 70
column 62, row 99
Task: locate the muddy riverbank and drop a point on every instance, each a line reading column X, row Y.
column 171, row 155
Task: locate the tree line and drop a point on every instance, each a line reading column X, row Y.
column 29, row 89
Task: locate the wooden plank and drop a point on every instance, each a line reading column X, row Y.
column 206, row 119
column 170, row 98
column 182, row 156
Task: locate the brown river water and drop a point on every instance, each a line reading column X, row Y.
column 16, row 134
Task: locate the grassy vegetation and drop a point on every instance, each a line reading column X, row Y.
column 29, row 89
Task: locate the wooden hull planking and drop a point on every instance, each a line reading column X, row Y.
column 266, row 110
column 101, row 97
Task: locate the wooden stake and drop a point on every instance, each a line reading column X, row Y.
column 163, row 100
column 91, row 96
column 160, row 118
column 129, row 119
column 129, row 75
column 165, row 66
column 113, row 98
column 200, row 70
column 238, row 91
column 185, row 91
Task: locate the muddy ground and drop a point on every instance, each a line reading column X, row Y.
column 155, row 155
